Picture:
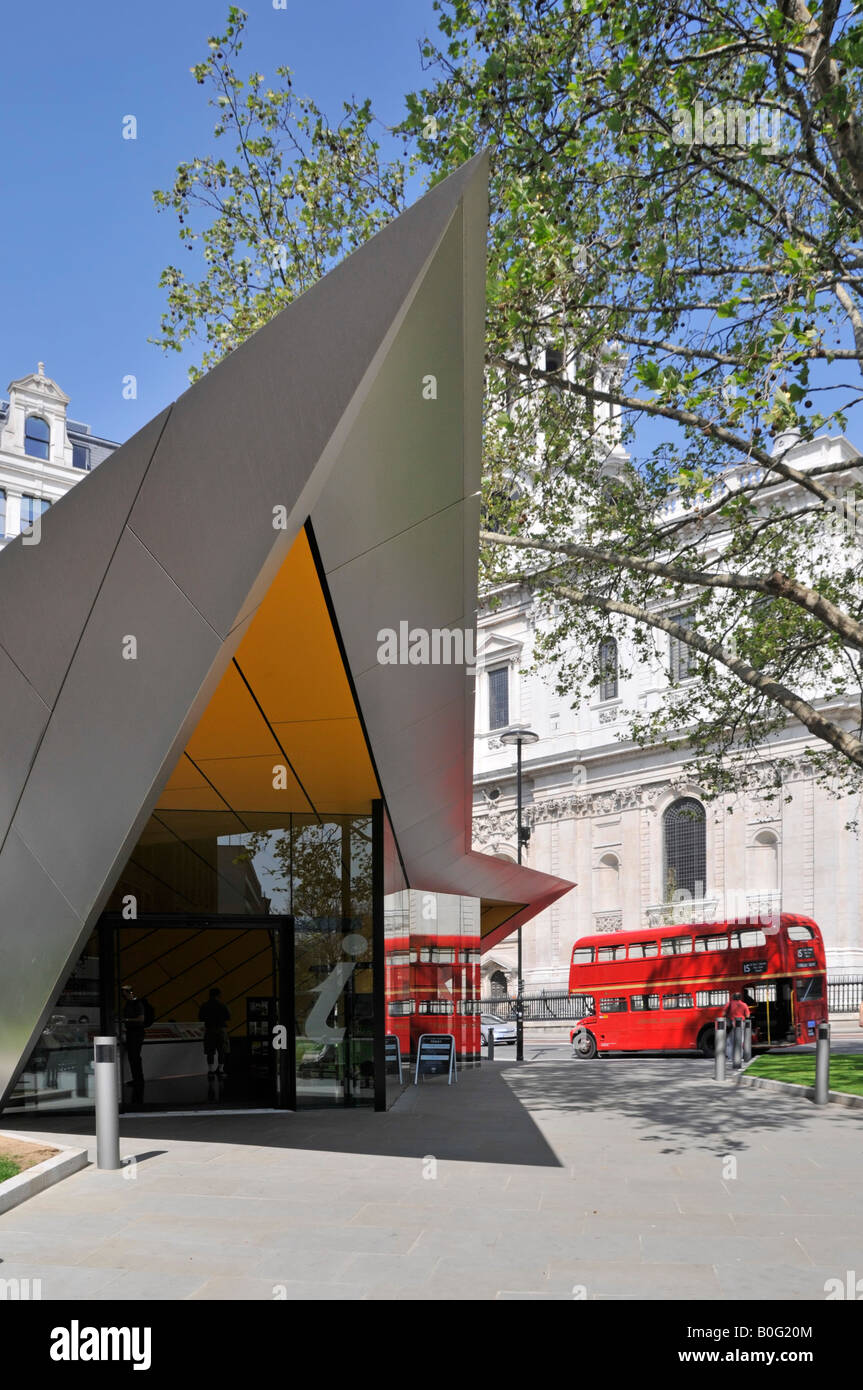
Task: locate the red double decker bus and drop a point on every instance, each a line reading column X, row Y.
column 663, row 990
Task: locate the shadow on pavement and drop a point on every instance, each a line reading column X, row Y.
column 497, row 1113
column 476, row 1120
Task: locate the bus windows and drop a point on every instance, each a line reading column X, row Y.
column 613, row 1005
column 798, row 931
column 764, row 994
column 750, row 937
column 808, row 990
column 642, row 950
column 711, row 943
column 711, row 998
column 401, row 1008
column 677, row 1001
column 582, row 1004
column 676, row 945
column 642, row 1002
column 582, row 955
column 605, row 953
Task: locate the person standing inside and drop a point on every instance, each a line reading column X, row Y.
column 135, row 1024
column 215, row 1017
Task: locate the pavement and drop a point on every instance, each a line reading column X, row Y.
column 620, row 1178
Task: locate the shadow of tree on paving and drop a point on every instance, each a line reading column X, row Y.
column 675, row 1101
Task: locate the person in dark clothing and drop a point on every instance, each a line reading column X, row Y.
column 215, row 1016
column 135, row 1021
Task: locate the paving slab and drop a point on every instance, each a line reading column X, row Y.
column 547, row 1180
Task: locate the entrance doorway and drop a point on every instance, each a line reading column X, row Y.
column 175, row 968
column 297, row 993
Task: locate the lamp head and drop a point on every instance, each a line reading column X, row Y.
column 518, row 734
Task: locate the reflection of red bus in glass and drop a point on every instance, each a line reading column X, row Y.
column 401, row 1004
column 664, row 989
column 446, row 986
column 433, row 986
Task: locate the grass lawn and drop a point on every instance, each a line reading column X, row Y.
column 8, row 1169
column 846, row 1072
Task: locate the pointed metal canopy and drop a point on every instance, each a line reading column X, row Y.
column 357, row 409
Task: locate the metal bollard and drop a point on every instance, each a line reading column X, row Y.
column 747, row 1039
column 719, row 1050
column 107, row 1103
column 822, row 1065
column 737, row 1045
column 490, row 1044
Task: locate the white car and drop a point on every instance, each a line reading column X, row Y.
column 503, row 1030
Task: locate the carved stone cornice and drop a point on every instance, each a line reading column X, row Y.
column 581, row 805
column 494, row 828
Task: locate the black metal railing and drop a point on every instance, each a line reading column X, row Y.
column 539, row 1008
column 844, row 996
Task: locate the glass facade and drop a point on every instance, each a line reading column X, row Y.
column 432, row 968
column 239, row 966
column 59, row 1070
column 400, row 1005
column 236, row 964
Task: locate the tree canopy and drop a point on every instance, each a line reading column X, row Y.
column 675, row 255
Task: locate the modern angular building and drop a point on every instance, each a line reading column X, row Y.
column 237, row 744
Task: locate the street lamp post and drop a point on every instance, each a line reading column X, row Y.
column 516, row 737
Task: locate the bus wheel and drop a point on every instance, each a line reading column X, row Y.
column 707, row 1042
column 584, row 1044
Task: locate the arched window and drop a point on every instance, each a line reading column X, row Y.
column 684, row 843
column 37, row 437
column 608, row 669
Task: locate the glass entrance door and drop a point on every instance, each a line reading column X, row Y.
column 197, row 1006
column 207, row 1009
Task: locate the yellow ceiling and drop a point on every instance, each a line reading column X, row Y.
column 494, row 914
column 291, row 660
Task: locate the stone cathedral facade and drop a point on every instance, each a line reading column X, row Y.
column 627, row 825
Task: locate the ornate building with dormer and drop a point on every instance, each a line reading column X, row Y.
column 42, row 452
column 626, row 824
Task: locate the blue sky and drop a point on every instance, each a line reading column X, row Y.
column 81, row 244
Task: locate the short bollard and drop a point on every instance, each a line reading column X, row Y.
column 737, row 1045
column 719, row 1050
column 822, row 1065
column 747, row 1039
column 490, row 1044
column 107, row 1103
